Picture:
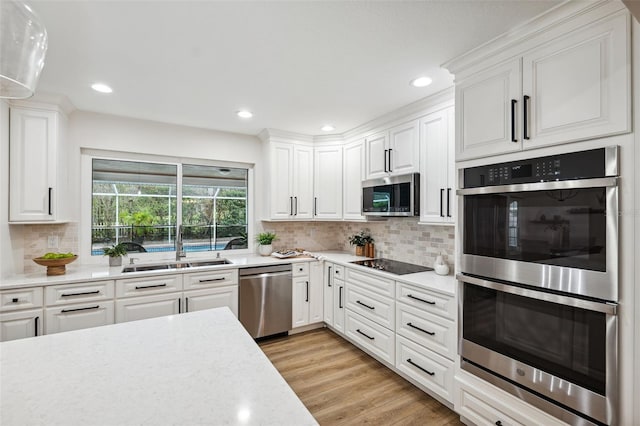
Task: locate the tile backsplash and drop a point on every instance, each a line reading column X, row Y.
column 400, row 239
column 36, row 242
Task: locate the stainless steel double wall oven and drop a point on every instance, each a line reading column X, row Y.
column 539, row 274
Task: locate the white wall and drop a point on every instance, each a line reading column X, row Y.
column 11, row 243
column 93, row 131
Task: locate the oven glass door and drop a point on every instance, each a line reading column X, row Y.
column 565, row 341
column 564, row 227
column 394, row 198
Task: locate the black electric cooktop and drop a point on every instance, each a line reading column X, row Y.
column 392, row 266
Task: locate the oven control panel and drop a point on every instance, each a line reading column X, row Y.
column 575, row 165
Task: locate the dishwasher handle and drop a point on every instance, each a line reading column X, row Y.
column 266, row 275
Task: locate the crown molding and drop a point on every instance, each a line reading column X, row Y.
column 283, row 135
column 511, row 41
column 46, row 101
column 338, row 138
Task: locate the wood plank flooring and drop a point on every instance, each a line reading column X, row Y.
column 342, row 385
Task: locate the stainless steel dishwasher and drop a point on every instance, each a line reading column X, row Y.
column 265, row 299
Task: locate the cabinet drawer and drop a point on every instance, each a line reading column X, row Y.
column 427, row 300
column 78, row 316
column 431, row 331
column 299, row 269
column 425, row 367
column 370, row 305
column 370, row 282
column 481, row 413
column 138, row 308
column 23, row 298
column 371, row 336
column 197, row 300
column 21, row 324
column 79, row 293
column 150, row 285
column 210, row 279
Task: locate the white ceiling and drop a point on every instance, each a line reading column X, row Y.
column 296, row 64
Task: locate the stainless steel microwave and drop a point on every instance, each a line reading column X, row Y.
column 392, row 196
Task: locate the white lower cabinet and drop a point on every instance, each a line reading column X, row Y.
column 78, row 316
column 371, row 336
column 198, row 300
column 338, row 306
column 429, row 369
column 137, row 308
column 327, row 293
column 377, row 308
column 431, row 331
column 307, row 297
column 482, row 404
column 20, row 324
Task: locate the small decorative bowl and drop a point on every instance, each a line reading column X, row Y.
column 55, row 266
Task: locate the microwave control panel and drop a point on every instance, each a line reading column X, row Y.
column 572, row 166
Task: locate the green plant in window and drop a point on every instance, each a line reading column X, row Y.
column 116, row 250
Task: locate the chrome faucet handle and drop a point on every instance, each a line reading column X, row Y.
column 218, row 255
column 132, row 260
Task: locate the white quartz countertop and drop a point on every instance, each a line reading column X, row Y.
column 195, row 368
column 84, row 273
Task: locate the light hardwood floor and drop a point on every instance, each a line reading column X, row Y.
column 342, row 385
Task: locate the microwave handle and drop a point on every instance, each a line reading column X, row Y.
column 542, row 186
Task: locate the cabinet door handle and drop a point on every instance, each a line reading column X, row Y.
column 441, row 197
column 37, row 320
column 64, row 311
column 186, row 304
column 15, row 300
column 385, row 160
column 315, row 206
column 525, row 109
column 340, row 297
column 296, row 206
column 430, row 333
column 307, row 299
column 179, row 305
column 390, row 169
column 291, row 206
column 50, row 210
column 365, row 305
column 150, row 286
column 420, row 368
column 80, row 294
column 212, row 280
column 365, row 335
column 448, row 202
column 421, row 300
column 513, row 120
column 498, row 423
column 329, row 277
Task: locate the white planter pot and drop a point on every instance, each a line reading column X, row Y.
column 265, row 250
column 115, row 261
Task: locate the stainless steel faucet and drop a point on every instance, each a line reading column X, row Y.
column 179, row 246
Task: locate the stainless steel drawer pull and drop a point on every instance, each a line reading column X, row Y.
column 365, row 305
column 150, row 286
column 420, row 300
column 64, row 311
column 212, row 280
column 420, row 368
column 430, row 333
column 365, row 335
column 80, row 294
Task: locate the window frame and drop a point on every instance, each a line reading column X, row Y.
column 86, row 198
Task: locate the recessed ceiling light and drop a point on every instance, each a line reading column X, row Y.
column 327, row 128
column 421, row 81
column 243, row 113
column 102, row 88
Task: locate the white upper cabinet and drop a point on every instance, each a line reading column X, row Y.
column 327, row 182
column 393, row 152
column 486, row 112
column 404, row 148
column 353, row 175
column 36, row 166
column 578, row 85
column 437, row 167
column 291, row 181
column 572, row 85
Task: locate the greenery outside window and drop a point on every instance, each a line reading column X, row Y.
column 142, row 203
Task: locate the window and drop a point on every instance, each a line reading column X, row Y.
column 141, row 204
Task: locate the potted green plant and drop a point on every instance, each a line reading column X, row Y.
column 115, row 253
column 264, row 240
column 360, row 240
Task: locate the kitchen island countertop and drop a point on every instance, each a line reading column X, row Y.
column 195, row 368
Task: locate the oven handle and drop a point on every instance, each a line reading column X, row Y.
column 604, row 307
column 541, row 186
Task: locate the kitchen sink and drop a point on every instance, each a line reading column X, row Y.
column 174, row 265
